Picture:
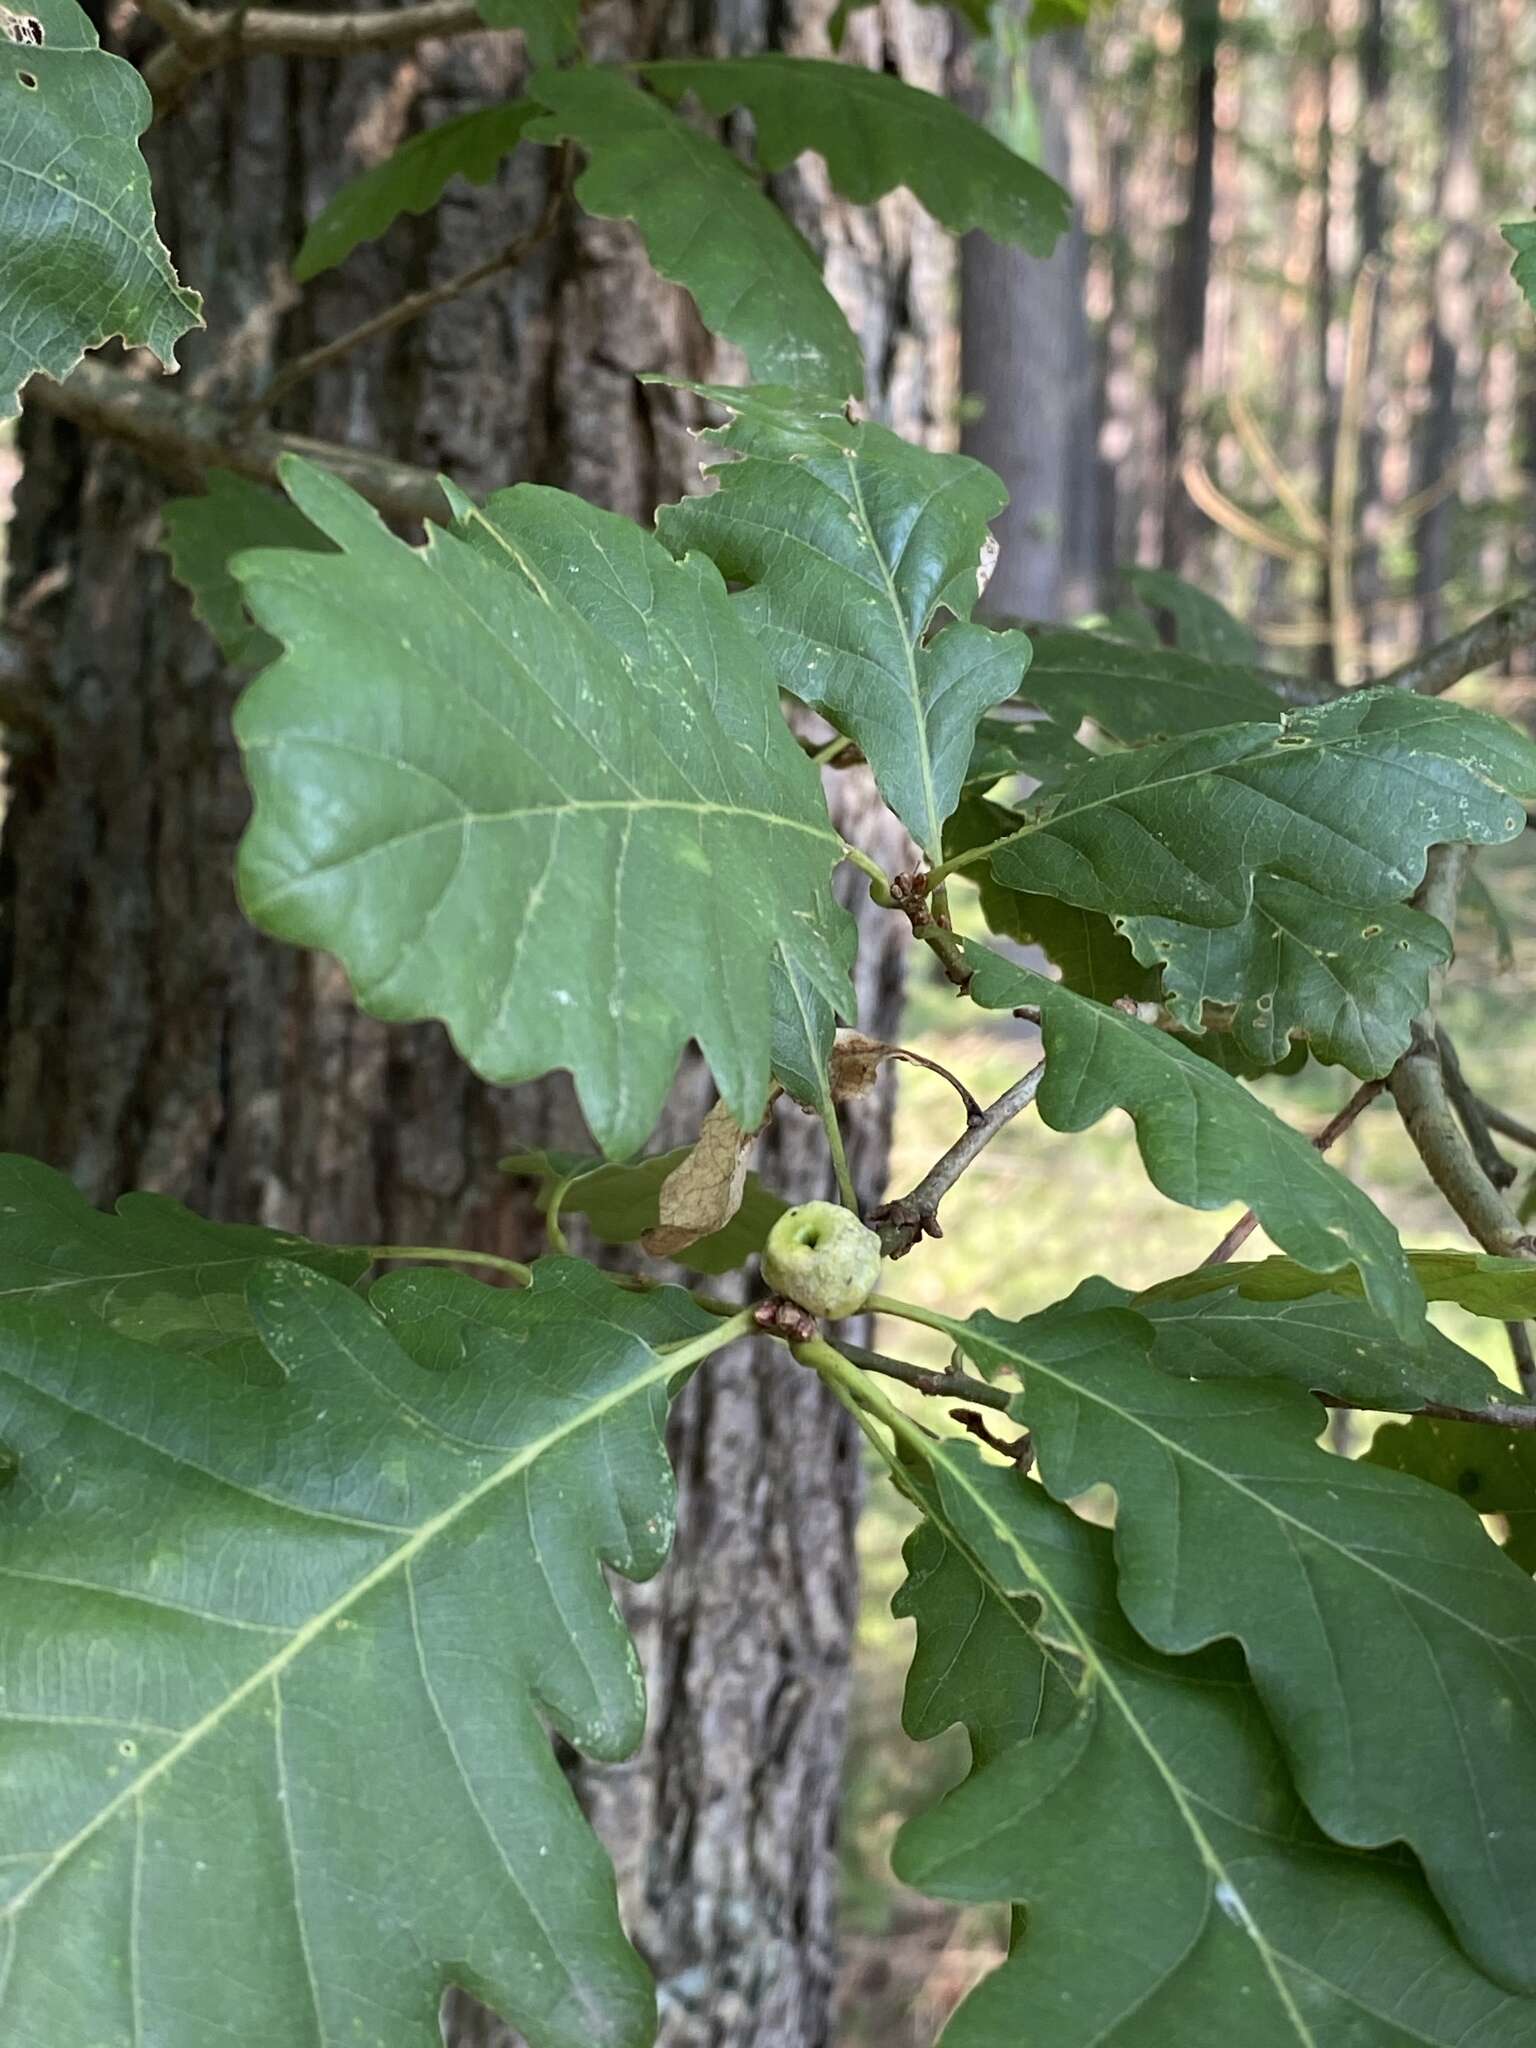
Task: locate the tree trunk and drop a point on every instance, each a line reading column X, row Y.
column 152, row 1040
column 1189, row 276
column 1028, row 363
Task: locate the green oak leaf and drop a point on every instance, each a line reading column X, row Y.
column 202, row 536
column 1090, row 954
column 850, row 542
column 551, row 28
column 1142, row 693
column 1345, row 797
column 149, row 1270
column 412, row 179
column 1521, row 237
column 1137, row 1806
column 875, row 133
column 1492, row 1470
column 493, row 814
column 1205, row 1141
column 1480, row 1282
column 278, row 1663
column 1298, row 966
column 706, row 224
column 83, row 261
column 1038, row 747
column 1393, row 1646
column 1202, row 625
column 1324, row 1343
column 620, row 1202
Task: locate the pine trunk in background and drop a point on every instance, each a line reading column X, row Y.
column 1027, row 359
column 1189, row 274
column 152, row 1040
column 1452, row 331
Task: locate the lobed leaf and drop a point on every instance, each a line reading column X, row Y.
column 707, row 225
column 621, row 1202
column 1492, row 1470
column 1142, row 693
column 876, row 133
column 1349, row 981
column 150, row 1271
column 1138, row 1807
column 575, row 828
column 1393, row 1646
column 1344, row 798
column 850, row 542
column 412, row 180
column 1326, row 1344
column 202, row 537
column 83, row 261
column 551, row 28
column 1205, row 1141
column 1202, row 624
column 1521, row 237
column 1037, row 747
column 279, row 1660
column 1480, row 1282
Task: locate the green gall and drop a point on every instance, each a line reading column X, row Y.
column 822, row 1257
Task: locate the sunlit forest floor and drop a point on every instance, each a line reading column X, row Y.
column 1037, row 1213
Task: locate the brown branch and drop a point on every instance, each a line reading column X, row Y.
column 202, row 39
column 1418, row 1084
column 187, row 435
column 1333, row 1130
column 902, row 1223
column 1506, row 1125
column 1018, row 1450
column 416, row 304
column 943, row 1386
column 1480, row 645
column 1469, row 1113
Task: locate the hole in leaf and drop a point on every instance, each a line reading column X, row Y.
column 21, row 28
column 1370, row 931
column 28, row 80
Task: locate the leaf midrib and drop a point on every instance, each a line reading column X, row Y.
column 661, row 1369
column 1087, row 1649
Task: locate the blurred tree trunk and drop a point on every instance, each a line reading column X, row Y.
column 152, row 1040
column 1027, row 358
column 1189, row 272
column 1451, row 333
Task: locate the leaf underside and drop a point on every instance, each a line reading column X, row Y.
column 1481, row 1282
column 511, row 779
column 202, row 537
column 278, row 1661
column 620, row 1203
column 83, row 261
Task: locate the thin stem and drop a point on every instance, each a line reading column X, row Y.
column 1506, row 1125
column 415, row 305
column 448, row 1255
column 202, row 39
column 825, row 756
column 847, row 1192
column 942, row 1386
column 1418, row 1085
column 908, row 1312
column 1469, row 1114
column 184, row 435
column 558, row 1241
column 1487, row 640
column 916, row 1215
column 1334, row 1129
column 710, row 1341
column 880, row 881
column 1525, row 1365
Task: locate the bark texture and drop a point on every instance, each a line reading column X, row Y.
column 152, row 1040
